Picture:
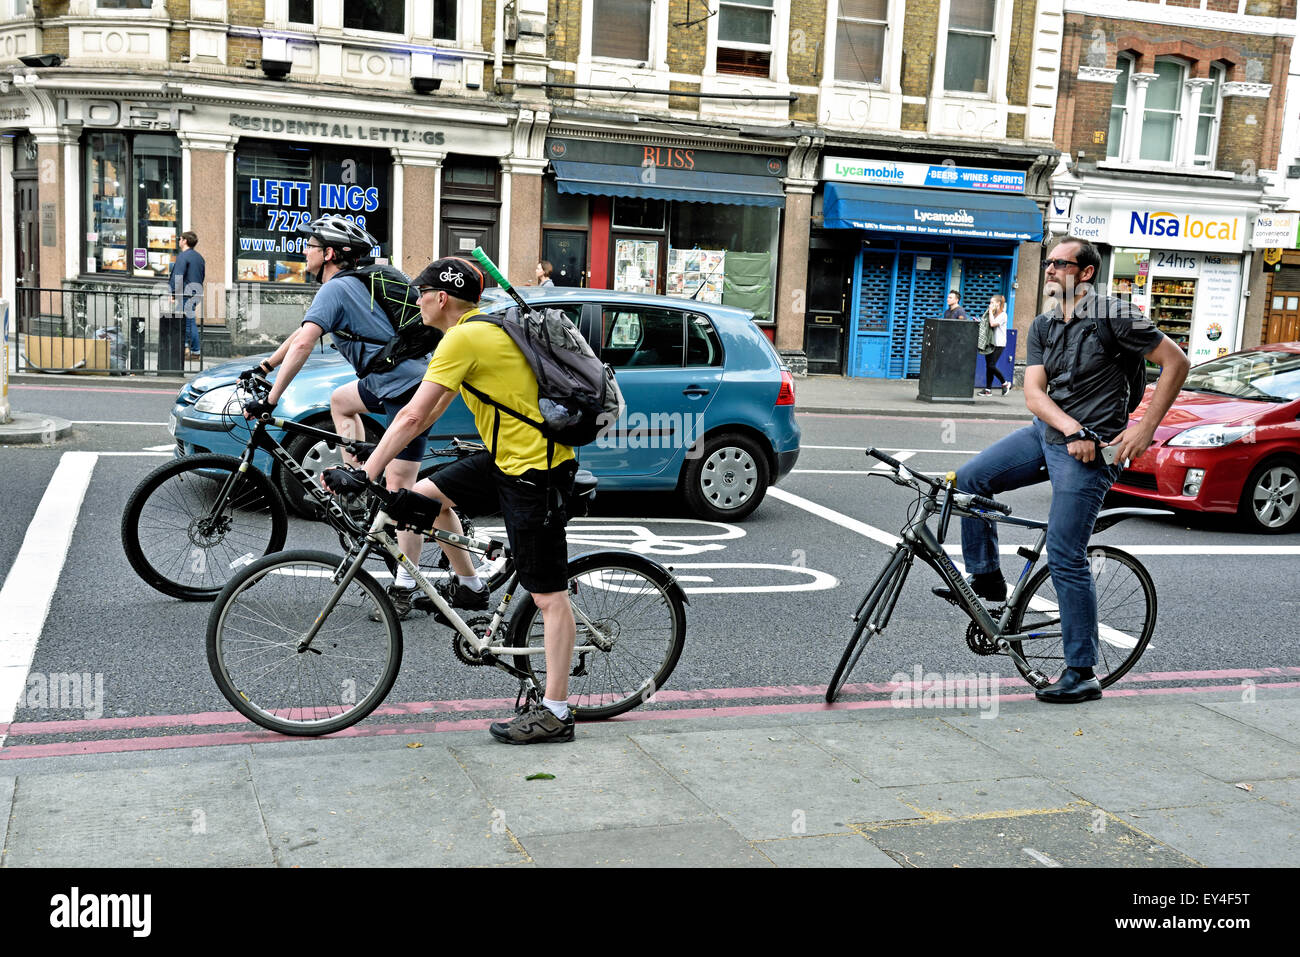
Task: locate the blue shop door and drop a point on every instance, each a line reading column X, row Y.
column 921, row 291
column 870, row 359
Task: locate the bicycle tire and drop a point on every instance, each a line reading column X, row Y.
column 638, row 596
column 1124, row 615
column 281, row 596
column 176, row 545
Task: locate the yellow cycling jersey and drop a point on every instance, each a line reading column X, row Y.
column 481, row 354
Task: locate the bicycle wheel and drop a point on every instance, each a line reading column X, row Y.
column 638, row 610
column 252, row 639
column 186, row 540
column 1126, row 613
column 885, row 588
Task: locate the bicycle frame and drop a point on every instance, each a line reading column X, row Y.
column 378, row 535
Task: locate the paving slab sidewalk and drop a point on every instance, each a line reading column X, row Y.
column 1124, row 782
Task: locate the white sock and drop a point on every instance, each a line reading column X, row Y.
column 403, row 579
column 472, row 581
column 558, row 708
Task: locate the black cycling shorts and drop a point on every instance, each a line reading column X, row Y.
column 390, row 407
column 540, row 550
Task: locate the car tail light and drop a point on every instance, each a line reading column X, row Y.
column 786, row 395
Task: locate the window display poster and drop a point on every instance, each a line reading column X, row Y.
column 636, row 265
column 162, row 210
column 692, row 269
column 1214, row 330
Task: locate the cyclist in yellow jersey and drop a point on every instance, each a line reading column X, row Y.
column 511, row 477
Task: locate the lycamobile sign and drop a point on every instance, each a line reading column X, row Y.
column 846, row 169
column 957, row 217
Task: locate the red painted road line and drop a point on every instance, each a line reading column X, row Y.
column 208, row 718
column 71, row 388
column 905, row 418
column 436, row 727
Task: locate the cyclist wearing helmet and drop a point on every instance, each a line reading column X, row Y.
column 335, row 243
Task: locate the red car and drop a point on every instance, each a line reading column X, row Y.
column 1231, row 441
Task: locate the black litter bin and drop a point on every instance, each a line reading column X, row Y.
column 948, row 360
column 171, row 343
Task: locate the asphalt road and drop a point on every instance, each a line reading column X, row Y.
column 771, row 598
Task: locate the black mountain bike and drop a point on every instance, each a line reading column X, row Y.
column 193, row 522
column 1027, row 629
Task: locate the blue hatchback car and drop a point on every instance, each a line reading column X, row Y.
column 710, row 405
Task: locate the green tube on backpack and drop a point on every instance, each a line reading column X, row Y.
column 486, row 262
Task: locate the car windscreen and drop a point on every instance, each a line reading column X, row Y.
column 1264, row 376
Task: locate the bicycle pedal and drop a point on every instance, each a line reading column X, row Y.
column 1038, row 679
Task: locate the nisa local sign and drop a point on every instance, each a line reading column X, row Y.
column 1167, row 229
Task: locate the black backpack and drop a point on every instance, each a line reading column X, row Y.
column 576, row 392
column 1132, row 364
column 399, row 300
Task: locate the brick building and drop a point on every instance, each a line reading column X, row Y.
column 1170, row 121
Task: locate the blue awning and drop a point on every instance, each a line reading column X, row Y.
column 732, row 189
column 894, row 209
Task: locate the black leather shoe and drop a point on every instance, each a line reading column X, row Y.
column 992, row 590
column 1070, row 688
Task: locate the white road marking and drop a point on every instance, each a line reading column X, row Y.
column 30, row 584
column 159, row 448
column 893, row 452
column 839, row 518
column 1040, row 857
column 114, row 422
column 143, row 455
column 1203, row 549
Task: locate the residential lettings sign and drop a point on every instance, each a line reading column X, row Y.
column 843, row 169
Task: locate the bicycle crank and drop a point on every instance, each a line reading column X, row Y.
column 1032, row 675
column 465, row 651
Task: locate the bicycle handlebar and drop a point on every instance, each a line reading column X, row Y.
column 961, row 499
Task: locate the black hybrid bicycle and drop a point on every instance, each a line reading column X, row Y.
column 1027, row 629
column 193, row 522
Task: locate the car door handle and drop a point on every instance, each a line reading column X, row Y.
column 694, row 390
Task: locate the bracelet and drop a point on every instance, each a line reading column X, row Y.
column 1083, row 435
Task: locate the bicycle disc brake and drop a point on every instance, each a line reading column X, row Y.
column 462, row 648
column 979, row 642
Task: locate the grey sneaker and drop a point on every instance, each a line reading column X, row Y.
column 536, row 724
column 402, row 599
column 454, row 593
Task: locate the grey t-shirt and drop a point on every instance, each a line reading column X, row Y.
column 1081, row 378
column 343, row 303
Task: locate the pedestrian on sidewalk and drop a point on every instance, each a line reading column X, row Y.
column 187, row 275
column 543, row 273
column 1079, row 397
column 996, row 319
column 954, row 310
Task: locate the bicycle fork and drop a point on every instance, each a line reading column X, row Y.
column 881, row 598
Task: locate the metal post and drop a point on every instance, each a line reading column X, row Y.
column 4, row 375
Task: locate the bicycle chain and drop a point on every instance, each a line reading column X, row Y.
column 478, row 625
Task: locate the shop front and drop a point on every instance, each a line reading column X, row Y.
column 910, row 234
column 1182, row 266
column 1276, row 239
column 672, row 220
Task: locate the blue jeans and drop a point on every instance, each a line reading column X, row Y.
column 192, row 328
column 1025, row 458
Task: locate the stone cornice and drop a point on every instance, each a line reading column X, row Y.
column 1261, row 90
column 1098, row 74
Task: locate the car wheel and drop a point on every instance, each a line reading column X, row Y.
column 727, row 480
column 315, row 456
column 1270, row 500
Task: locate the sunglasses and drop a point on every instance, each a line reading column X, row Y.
column 425, row 290
column 312, row 246
column 1059, row 263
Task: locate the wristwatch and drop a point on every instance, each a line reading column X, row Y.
column 266, row 367
column 1083, row 435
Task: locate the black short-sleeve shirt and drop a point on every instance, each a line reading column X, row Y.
column 1081, row 379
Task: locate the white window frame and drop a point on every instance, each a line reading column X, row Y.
column 889, row 56
column 658, row 43
column 155, row 9
column 768, row 47
column 1178, row 148
column 408, row 22
column 1184, row 156
column 315, row 13
column 997, row 68
column 1125, row 123
column 1220, row 75
column 778, row 45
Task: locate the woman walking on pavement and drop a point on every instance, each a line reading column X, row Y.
column 997, row 319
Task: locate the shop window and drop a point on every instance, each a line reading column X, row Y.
column 970, row 45
column 633, row 213
column 860, row 40
column 745, row 37
column 723, row 254
column 302, row 11
column 621, row 29
column 377, row 16
column 132, row 203
column 281, row 186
